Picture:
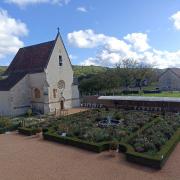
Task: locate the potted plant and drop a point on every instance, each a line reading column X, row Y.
column 113, row 148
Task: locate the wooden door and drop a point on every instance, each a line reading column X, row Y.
column 62, row 104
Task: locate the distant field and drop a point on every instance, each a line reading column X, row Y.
column 165, row 94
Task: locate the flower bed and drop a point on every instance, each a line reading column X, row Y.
column 156, row 160
column 7, row 125
column 82, row 130
column 95, row 147
column 152, row 145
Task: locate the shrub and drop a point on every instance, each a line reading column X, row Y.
column 95, row 147
column 29, row 112
column 28, row 131
column 4, row 122
column 118, row 116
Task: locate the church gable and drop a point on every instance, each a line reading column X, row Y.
column 59, row 65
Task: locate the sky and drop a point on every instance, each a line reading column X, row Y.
column 95, row 32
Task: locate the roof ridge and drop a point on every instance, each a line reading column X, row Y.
column 37, row 44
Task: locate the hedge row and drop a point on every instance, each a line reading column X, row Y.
column 130, row 92
column 151, row 91
column 28, row 131
column 95, row 147
column 155, row 161
column 11, row 128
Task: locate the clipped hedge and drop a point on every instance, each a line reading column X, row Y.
column 10, row 128
column 95, row 147
column 28, row 131
column 151, row 91
column 126, row 92
column 3, row 130
column 154, row 161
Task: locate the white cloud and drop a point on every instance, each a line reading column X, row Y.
column 89, row 61
column 113, row 50
column 10, row 32
column 82, row 9
column 86, row 39
column 139, row 41
column 23, row 3
column 73, row 56
column 176, row 20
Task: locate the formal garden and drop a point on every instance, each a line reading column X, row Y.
column 146, row 138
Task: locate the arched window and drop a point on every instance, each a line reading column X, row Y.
column 54, row 93
column 37, row 93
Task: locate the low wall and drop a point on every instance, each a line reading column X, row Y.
column 134, row 105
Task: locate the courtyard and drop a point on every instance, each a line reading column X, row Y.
column 32, row 158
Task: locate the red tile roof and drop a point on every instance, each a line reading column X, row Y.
column 31, row 59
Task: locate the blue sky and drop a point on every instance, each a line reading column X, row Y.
column 95, row 31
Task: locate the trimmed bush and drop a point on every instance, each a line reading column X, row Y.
column 2, row 130
column 28, row 131
column 95, row 147
column 126, row 92
column 12, row 127
column 151, row 91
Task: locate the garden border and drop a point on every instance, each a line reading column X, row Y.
column 156, row 161
column 95, row 147
column 11, row 128
column 27, row 131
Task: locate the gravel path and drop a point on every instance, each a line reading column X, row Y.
column 31, row 158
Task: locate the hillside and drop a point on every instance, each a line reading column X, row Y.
column 87, row 70
column 2, row 69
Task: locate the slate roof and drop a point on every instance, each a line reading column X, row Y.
column 7, row 83
column 176, row 71
column 31, row 59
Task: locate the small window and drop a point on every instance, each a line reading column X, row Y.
column 54, row 93
column 60, row 61
column 37, row 93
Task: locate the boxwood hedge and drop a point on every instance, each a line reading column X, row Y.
column 28, row 131
column 95, row 147
column 10, row 128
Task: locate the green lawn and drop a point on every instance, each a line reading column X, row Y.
column 175, row 94
column 165, row 94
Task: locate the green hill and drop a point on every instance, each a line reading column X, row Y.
column 87, row 70
column 2, row 69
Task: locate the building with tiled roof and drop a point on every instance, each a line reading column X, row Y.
column 40, row 77
column 170, row 79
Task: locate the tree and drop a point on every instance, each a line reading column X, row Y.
column 133, row 72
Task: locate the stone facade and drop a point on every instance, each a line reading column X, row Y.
column 44, row 91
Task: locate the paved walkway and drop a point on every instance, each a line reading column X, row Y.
column 31, row 158
column 66, row 112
